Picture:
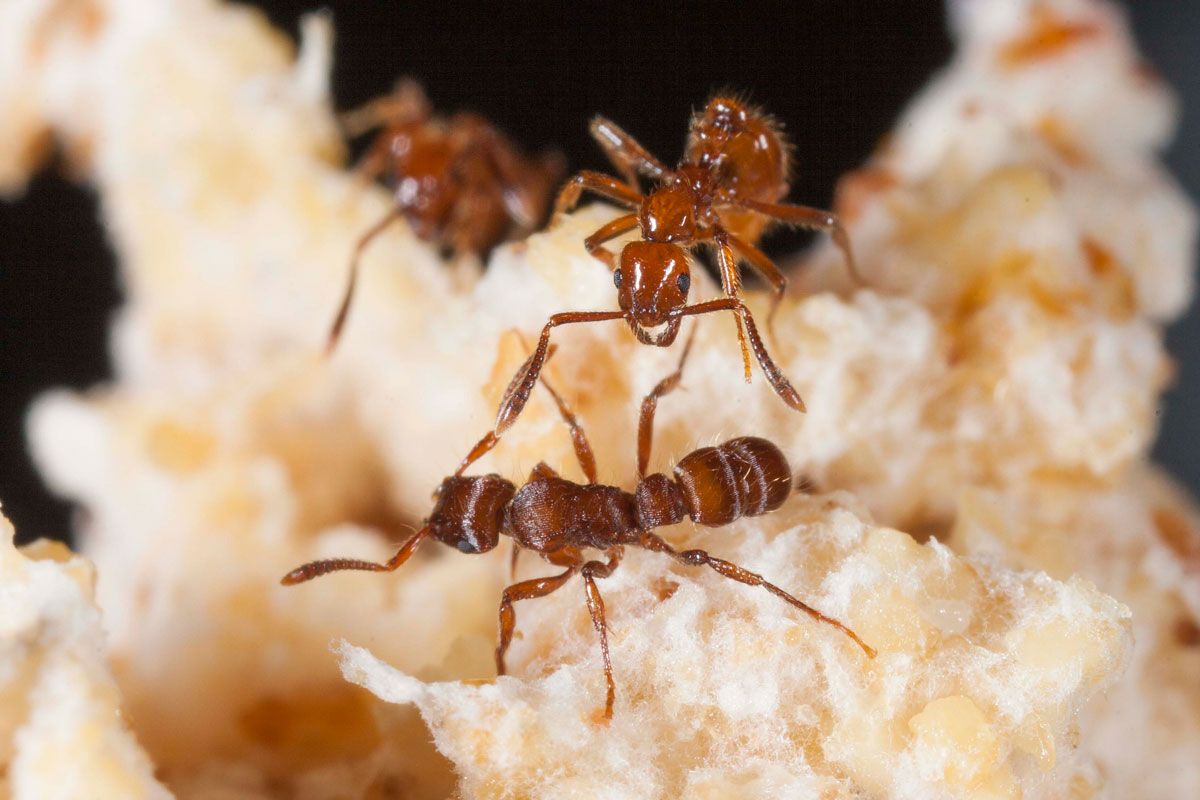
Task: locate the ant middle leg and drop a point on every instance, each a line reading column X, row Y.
column 667, row 385
column 525, row 590
column 602, row 569
column 339, row 320
column 812, row 219
column 775, row 376
column 700, row 558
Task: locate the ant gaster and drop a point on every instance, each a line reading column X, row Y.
column 559, row 519
column 726, row 191
column 459, row 181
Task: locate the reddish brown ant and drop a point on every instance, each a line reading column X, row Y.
column 559, row 518
column 459, row 181
column 726, row 190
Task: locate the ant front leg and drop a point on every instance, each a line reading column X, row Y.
column 525, row 590
column 767, row 269
column 522, row 383
column 625, row 152
column 775, row 376
column 604, row 185
column 406, row 105
column 650, row 405
column 700, row 558
column 812, row 219
column 731, row 283
column 339, row 321
column 600, row 569
column 611, row 230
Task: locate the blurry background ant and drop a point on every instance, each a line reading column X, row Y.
column 458, row 181
column 559, row 519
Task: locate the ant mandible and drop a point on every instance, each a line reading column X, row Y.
column 459, row 181
column 726, row 190
column 559, row 519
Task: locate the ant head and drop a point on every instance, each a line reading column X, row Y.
column 426, row 183
column 652, row 283
column 668, row 214
column 469, row 512
column 723, row 111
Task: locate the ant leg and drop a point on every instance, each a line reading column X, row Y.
column 604, row 185
column 592, row 570
column 523, row 181
column 611, row 230
column 406, row 104
column 813, row 219
column 699, row 558
column 775, row 376
column 512, row 562
column 339, row 321
column 625, row 153
column 583, row 449
column 650, row 405
column 525, row 590
column 315, row 569
column 731, row 282
column 766, row 268
column 522, row 383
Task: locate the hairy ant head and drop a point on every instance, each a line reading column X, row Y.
column 652, row 282
column 469, row 513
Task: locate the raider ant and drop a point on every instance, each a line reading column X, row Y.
column 459, row 181
column 726, row 190
column 559, row 519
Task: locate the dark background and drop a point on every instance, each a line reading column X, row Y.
column 836, row 74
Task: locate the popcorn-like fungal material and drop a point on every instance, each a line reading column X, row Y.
column 973, row 694
column 62, row 734
column 997, row 380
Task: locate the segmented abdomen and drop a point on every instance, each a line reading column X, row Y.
column 743, row 477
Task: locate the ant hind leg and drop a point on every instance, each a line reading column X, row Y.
column 700, row 558
column 625, row 152
column 812, row 219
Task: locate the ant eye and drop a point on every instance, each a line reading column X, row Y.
column 684, row 282
column 617, row 278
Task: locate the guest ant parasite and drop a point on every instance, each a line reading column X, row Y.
column 459, row 181
column 725, row 191
column 559, row 519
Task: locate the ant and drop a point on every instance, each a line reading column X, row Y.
column 726, row 190
column 558, row 519
column 459, row 181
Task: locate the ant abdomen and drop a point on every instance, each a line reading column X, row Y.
column 743, row 477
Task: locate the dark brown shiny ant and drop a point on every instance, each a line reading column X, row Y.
column 459, row 181
column 726, row 190
column 559, row 519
